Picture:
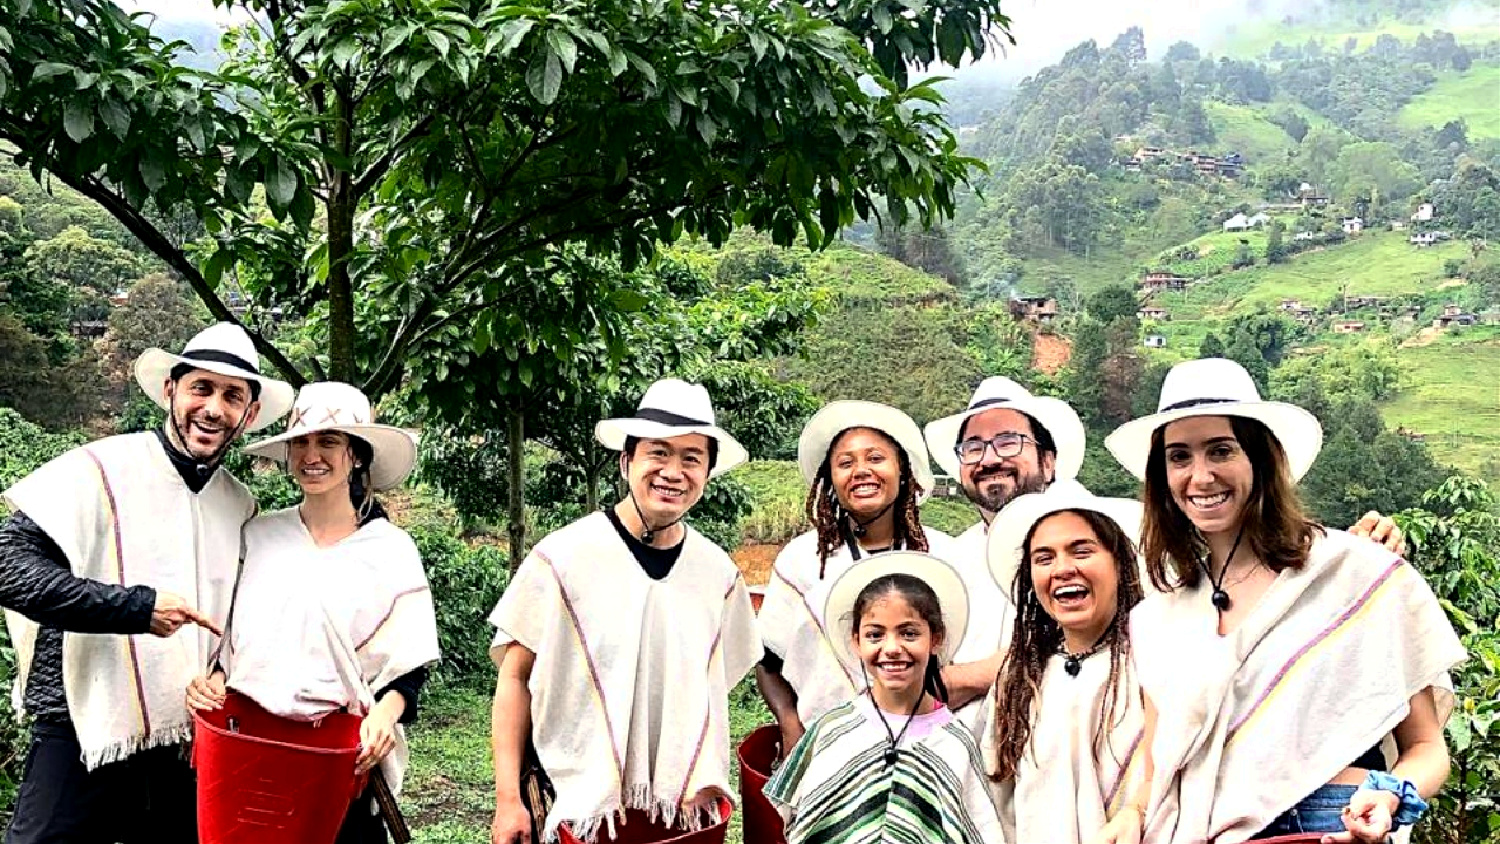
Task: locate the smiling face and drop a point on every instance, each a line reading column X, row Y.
column 992, row 482
column 209, row 410
column 1075, row 576
column 1208, row 473
column 320, row 462
column 865, row 467
column 895, row 642
column 666, row 477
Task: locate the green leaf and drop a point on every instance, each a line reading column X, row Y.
column 505, row 39
column 116, row 117
column 47, row 70
column 153, row 171
column 758, row 43
column 544, row 78
column 343, row 52
column 78, row 121
column 882, row 16
column 629, row 301
column 439, row 42
column 281, row 182
column 617, row 63
column 84, row 80
column 213, row 269
column 564, row 46
column 642, row 67
column 707, row 129
column 395, row 37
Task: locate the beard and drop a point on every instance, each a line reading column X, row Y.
column 992, row 499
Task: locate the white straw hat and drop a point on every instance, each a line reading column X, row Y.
column 224, row 349
column 1218, row 387
column 335, row 406
column 673, row 408
column 996, row 393
column 952, row 595
column 1007, row 538
column 837, row 417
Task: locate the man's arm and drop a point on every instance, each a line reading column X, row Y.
column 971, row 680
column 37, row 582
column 510, row 726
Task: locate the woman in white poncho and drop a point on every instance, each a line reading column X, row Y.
column 868, row 468
column 1065, row 718
column 333, row 611
column 1295, row 678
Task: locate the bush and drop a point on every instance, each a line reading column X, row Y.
column 466, row 583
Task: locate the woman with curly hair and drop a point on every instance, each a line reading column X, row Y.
column 1065, row 717
column 868, row 469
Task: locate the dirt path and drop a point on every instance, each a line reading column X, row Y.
column 755, row 562
column 1050, row 352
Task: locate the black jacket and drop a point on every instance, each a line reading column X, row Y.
column 37, row 582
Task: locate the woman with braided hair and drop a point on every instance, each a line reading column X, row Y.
column 868, row 470
column 1066, row 716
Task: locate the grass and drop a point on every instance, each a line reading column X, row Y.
column 1245, row 130
column 1473, row 96
column 1452, row 394
column 857, row 274
column 450, row 787
column 1257, row 39
column 777, row 494
column 1216, row 252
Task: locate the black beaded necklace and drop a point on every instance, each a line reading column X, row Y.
column 1221, row 598
column 1073, row 663
column 893, row 751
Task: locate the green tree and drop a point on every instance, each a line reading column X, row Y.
column 1372, row 171
column 79, row 260
column 157, row 313
column 1111, row 303
column 1276, row 251
column 1211, row 347
column 1243, row 350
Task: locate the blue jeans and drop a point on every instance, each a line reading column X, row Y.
column 1321, row 811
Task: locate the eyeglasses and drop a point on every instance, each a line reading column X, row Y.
column 1005, row 445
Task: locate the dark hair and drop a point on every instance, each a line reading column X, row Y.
column 920, row 597
column 1037, row 637
column 827, row 514
column 181, row 370
column 1276, row 528
column 360, row 494
column 1044, row 442
column 713, row 449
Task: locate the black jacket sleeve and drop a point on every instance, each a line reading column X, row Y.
column 37, row 582
column 409, row 686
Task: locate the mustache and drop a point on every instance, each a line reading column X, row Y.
column 998, row 471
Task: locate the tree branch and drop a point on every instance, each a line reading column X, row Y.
column 382, row 165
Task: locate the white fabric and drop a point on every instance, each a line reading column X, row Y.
column 121, row 514
column 1320, row 670
column 320, row 630
column 630, row 686
column 992, row 616
column 1067, row 787
column 793, row 628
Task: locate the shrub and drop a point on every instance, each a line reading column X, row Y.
column 466, row 583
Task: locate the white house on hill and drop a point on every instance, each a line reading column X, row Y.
column 1353, row 225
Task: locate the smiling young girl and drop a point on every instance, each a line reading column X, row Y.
column 892, row 764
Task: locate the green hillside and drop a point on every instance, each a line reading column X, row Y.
column 1255, row 39
column 1473, row 96
column 1451, row 394
column 1246, row 130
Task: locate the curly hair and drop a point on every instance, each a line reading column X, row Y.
column 828, row 515
column 1276, row 528
column 1038, row 636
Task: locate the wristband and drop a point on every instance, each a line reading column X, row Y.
column 1412, row 805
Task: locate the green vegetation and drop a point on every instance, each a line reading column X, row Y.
column 1473, row 97
column 1246, row 130
column 1451, row 393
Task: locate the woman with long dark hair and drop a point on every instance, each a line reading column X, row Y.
column 867, row 467
column 1295, row 677
column 333, row 611
column 1065, row 716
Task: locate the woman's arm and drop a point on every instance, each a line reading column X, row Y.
column 1422, row 761
column 1129, row 823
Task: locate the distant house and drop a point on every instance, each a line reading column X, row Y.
column 1149, row 154
column 1448, row 320
column 1398, row 226
column 1352, row 225
column 1356, row 302
column 1306, row 316
column 1422, row 239
column 1155, row 341
column 1038, row 309
column 1291, row 304
column 1159, row 280
column 1451, row 309
column 1310, row 197
column 945, row 486
column 1259, row 219
column 1348, row 326
column 120, row 298
column 90, row 329
column 1153, row 312
column 1425, row 213
column 1237, row 223
column 1307, row 236
column 1411, row 435
column 1231, row 165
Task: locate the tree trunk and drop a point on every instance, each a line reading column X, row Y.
column 591, row 489
column 341, row 211
column 515, row 444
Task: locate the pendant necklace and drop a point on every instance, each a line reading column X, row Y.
column 893, row 751
column 1220, row 598
column 1073, row 663
column 648, row 532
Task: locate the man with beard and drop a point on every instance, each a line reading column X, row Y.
column 1005, row 444
column 128, row 535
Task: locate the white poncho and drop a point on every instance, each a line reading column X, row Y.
column 121, row 514
column 319, row 630
column 1322, row 669
column 792, row 624
column 630, row 686
column 1067, row 787
column 992, row 616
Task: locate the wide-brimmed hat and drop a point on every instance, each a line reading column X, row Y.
column 1218, row 387
column 837, row 417
column 1007, row 538
column 673, row 408
column 1000, row 393
column 952, row 595
column 224, row 349
column 335, row 406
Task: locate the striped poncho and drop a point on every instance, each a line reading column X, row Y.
column 836, row 788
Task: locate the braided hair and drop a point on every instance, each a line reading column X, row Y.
column 1038, row 636
column 924, row 601
column 829, row 517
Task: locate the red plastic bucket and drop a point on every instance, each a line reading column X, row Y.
column 757, row 597
column 757, row 753
column 638, row 829
column 274, row 779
